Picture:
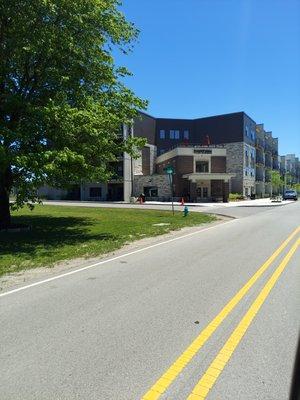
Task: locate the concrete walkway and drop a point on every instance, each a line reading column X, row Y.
column 242, row 203
column 238, row 209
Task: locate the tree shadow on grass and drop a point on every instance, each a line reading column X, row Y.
column 49, row 233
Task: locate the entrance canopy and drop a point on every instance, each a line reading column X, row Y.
column 196, row 176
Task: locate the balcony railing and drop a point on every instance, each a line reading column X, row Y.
column 260, row 142
column 260, row 178
column 268, row 178
column 268, row 163
column 275, row 165
column 268, row 148
column 259, row 159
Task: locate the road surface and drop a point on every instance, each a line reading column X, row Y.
column 140, row 326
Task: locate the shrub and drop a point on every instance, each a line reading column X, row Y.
column 235, row 196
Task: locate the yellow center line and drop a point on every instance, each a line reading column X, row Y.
column 162, row 384
column 211, row 375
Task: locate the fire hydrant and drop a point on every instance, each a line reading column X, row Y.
column 185, row 211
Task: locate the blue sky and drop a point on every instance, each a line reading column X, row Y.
column 196, row 58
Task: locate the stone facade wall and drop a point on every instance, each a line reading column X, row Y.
column 160, row 181
column 137, row 165
column 153, row 156
column 235, row 164
column 146, row 161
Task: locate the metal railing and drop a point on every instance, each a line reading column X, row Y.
column 260, row 142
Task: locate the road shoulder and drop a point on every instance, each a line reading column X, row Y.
column 25, row 277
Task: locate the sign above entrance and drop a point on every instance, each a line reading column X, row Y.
column 202, row 151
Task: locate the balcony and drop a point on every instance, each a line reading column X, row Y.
column 260, row 143
column 275, row 164
column 268, row 178
column 268, row 163
column 260, row 159
column 268, row 148
column 260, row 178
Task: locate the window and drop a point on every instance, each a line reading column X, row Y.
column 95, row 192
column 174, row 134
column 252, row 134
column 162, row 134
column 151, row 191
column 186, row 134
column 247, row 130
column 201, row 166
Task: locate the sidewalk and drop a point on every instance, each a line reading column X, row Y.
column 242, row 203
column 149, row 204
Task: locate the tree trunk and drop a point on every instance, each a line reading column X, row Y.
column 5, row 185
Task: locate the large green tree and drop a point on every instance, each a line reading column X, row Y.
column 276, row 181
column 62, row 101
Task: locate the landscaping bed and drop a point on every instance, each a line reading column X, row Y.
column 63, row 233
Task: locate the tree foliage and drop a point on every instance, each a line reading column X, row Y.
column 62, row 101
column 276, row 181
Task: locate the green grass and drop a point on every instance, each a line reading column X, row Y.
column 62, row 233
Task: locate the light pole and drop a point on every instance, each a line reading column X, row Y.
column 170, row 172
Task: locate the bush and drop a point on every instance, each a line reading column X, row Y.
column 235, row 196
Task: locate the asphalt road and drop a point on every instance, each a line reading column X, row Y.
column 111, row 331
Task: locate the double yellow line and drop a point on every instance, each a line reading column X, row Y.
column 209, row 378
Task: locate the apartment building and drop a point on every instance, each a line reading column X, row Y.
column 236, row 131
column 266, row 160
column 250, row 154
column 290, row 168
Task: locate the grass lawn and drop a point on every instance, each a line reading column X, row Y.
column 62, row 233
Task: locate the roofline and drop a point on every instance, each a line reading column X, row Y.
column 196, row 119
column 176, row 119
column 148, row 115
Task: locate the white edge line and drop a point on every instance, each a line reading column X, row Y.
column 111, row 259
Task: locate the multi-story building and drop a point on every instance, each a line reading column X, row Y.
column 236, row 131
column 250, row 153
column 290, row 169
column 266, row 160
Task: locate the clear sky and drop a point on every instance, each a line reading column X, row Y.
column 196, row 58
